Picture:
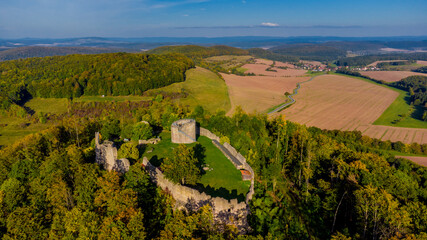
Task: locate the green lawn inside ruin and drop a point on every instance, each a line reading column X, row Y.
column 221, row 180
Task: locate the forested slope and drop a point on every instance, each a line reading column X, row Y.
column 100, row 74
column 310, row 184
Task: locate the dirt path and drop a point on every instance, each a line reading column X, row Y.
column 290, row 97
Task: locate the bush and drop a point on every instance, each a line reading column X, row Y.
column 110, row 129
column 129, row 150
column 142, row 131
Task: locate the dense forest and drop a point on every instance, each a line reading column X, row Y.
column 416, row 86
column 361, row 61
column 310, row 184
column 36, row 51
column 101, row 74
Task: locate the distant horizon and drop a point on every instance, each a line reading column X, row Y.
column 213, row 37
column 211, row 18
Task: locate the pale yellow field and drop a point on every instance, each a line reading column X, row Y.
column 344, row 103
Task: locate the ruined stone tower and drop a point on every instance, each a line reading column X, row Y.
column 183, row 131
column 106, row 155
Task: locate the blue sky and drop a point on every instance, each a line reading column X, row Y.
column 211, row 18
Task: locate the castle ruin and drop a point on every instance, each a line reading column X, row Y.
column 183, row 131
column 106, row 155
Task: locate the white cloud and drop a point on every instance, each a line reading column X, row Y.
column 269, row 24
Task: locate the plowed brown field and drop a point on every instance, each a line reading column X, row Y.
column 258, row 93
column 424, row 63
column 338, row 102
column 390, row 76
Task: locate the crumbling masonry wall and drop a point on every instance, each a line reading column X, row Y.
column 224, row 211
column 106, row 155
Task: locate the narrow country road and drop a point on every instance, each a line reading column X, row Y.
column 281, row 107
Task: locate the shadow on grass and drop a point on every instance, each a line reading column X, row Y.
column 156, row 161
column 418, row 113
column 220, row 192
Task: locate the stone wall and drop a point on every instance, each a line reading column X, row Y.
column 149, row 141
column 223, row 210
column 236, row 155
column 208, row 134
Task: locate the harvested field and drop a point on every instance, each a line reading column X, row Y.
column 390, row 76
column 344, row 103
column 258, row 93
column 260, row 66
column 282, row 64
column 418, row 160
column 424, row 63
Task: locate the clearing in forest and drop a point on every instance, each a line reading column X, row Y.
column 203, row 88
column 390, row 76
column 345, row 103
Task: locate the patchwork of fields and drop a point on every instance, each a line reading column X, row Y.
column 260, row 66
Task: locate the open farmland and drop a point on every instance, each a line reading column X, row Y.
column 424, row 63
column 339, row 102
column 390, row 76
column 260, row 68
column 258, row 93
